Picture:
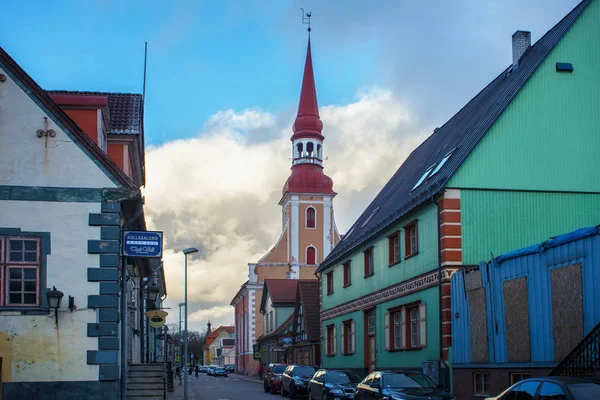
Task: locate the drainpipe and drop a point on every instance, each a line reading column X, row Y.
column 124, row 278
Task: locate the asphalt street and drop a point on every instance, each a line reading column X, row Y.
column 231, row 388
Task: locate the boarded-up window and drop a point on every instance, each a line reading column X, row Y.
column 516, row 318
column 567, row 309
column 478, row 326
column 311, row 255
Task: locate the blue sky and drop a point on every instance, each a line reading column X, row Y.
column 217, row 55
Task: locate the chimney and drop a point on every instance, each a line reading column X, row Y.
column 521, row 41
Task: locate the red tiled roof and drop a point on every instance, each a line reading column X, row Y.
column 309, row 298
column 213, row 335
column 282, row 290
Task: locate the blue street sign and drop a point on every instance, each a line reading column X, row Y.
column 142, row 244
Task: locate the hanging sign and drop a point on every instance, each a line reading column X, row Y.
column 142, row 244
column 157, row 318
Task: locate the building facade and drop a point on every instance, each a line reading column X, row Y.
column 308, row 225
column 475, row 185
column 65, row 202
column 213, row 345
column 522, row 313
column 306, row 345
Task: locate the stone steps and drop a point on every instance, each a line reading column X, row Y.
column 145, row 382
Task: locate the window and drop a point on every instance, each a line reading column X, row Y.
column 371, row 322
column 441, row 164
column 406, row 327
column 370, row 218
column 311, row 255
column 311, row 217
column 368, row 254
column 482, row 382
column 551, row 391
column 267, row 322
column 330, row 282
column 271, row 320
column 348, row 337
column 518, row 376
column 394, row 248
column 330, row 342
column 20, row 263
column 347, row 279
column 527, row 390
column 425, row 175
column 410, row 239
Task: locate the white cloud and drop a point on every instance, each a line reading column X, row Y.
column 219, row 191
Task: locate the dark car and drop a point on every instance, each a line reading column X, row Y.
column 220, row 371
column 272, row 378
column 230, row 368
column 552, row 388
column 399, row 385
column 295, row 380
column 204, row 369
column 333, row 384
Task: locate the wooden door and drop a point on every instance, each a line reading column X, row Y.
column 370, row 342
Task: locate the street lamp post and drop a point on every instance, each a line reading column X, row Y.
column 189, row 250
column 179, row 345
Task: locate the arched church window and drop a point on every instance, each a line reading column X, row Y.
column 311, row 217
column 310, row 149
column 300, row 148
column 311, row 255
column 319, row 151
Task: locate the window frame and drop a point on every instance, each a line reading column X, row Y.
column 6, row 265
column 394, row 258
column 307, row 220
column 330, row 344
column 347, row 273
column 408, row 248
column 405, row 326
column 329, row 282
column 483, row 384
column 369, row 267
column 348, row 337
column 524, row 375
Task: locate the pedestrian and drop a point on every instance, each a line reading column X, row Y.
column 197, row 370
column 261, row 369
column 177, row 372
column 190, row 368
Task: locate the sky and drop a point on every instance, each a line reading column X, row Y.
column 222, row 89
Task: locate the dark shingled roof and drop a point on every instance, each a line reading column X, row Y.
column 124, row 110
column 309, row 298
column 462, row 133
column 282, row 290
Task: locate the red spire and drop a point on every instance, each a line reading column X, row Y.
column 308, row 123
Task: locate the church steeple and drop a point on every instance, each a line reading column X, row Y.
column 308, row 123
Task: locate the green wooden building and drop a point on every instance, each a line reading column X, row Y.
column 516, row 165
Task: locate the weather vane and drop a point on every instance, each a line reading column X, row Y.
column 306, row 19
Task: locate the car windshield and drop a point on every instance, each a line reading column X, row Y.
column 278, row 369
column 407, row 380
column 585, row 390
column 304, row 371
column 339, row 377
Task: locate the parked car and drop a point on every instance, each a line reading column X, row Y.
column 295, row 380
column 230, row 368
column 399, row 385
column 329, row 384
column 272, row 378
column 204, row 369
column 211, row 370
column 552, row 388
column 220, row 371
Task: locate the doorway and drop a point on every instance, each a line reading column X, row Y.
column 370, row 341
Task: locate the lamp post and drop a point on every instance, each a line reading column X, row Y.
column 54, row 299
column 179, row 344
column 189, row 250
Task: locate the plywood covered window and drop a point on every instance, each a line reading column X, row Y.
column 311, row 217
column 20, row 271
column 311, row 255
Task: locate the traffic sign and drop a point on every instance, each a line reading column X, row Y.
column 142, row 244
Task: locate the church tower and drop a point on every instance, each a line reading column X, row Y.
column 308, row 231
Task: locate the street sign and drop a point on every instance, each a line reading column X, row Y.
column 177, row 359
column 142, row 244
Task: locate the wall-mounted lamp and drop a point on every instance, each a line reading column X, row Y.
column 54, row 299
column 152, row 293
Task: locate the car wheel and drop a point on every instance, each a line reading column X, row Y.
column 292, row 392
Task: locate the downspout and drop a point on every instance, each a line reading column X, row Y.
column 126, row 225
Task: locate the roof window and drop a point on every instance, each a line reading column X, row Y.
column 370, row 218
column 441, row 164
column 425, row 175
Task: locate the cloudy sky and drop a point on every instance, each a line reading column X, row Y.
column 222, row 88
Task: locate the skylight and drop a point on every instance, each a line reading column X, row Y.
column 441, row 164
column 370, row 218
column 425, row 175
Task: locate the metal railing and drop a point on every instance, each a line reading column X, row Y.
column 583, row 359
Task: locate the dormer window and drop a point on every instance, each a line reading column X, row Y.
column 311, row 217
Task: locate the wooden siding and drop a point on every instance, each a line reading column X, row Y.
column 500, row 221
column 548, row 138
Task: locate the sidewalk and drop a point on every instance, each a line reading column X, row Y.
column 253, row 379
column 178, row 393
